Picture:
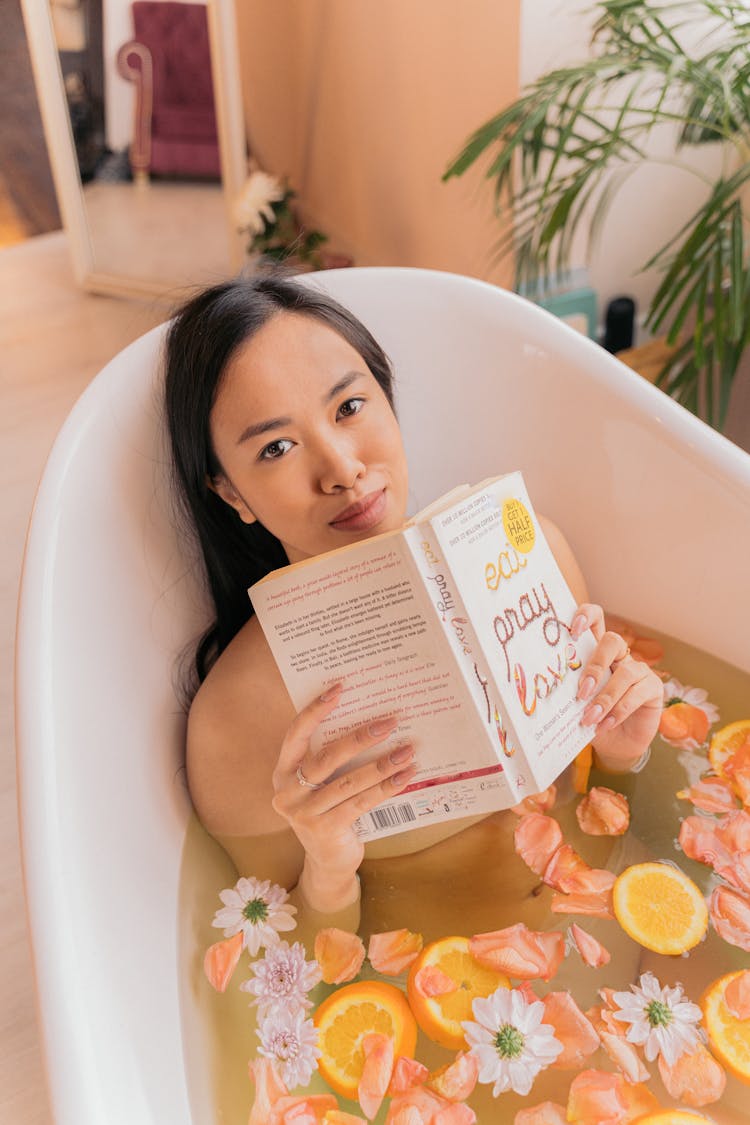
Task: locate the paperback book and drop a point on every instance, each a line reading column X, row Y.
column 459, row 624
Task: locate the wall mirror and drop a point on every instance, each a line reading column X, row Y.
column 142, row 110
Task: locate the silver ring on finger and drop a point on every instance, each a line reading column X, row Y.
column 619, row 659
column 304, row 782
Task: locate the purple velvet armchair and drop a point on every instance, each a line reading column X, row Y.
column 170, row 63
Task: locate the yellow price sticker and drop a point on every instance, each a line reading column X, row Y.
column 518, row 525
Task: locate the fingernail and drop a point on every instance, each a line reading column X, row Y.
column 586, row 687
column 382, row 726
column 401, row 754
column 330, row 692
column 592, row 715
column 577, row 625
column 607, row 724
column 403, row 776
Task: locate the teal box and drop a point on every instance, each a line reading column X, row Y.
column 568, row 297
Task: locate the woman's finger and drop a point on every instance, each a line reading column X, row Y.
column 639, row 694
column 318, row 765
column 628, row 674
column 587, row 616
column 609, row 654
column 344, row 813
column 340, row 789
column 304, row 725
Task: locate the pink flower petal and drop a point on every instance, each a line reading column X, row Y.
column 602, row 812
column 268, row 1089
column 711, row 794
column 593, row 905
column 592, row 952
column 730, row 914
column 624, row 1055
column 393, row 952
column 457, row 1080
column 684, row 725
column 221, row 960
column 647, row 649
column 519, row 952
column 572, row 1029
column 546, row 1113
column 536, row 839
column 303, row 1109
column 338, row 1117
column 339, row 953
column 418, row 1106
column 698, row 840
column 407, row 1073
column 696, row 1079
column 455, row 1114
column 733, row 831
column 568, row 872
column 537, row 802
column 596, row 1098
column 737, row 996
column 431, row 981
column 376, row 1072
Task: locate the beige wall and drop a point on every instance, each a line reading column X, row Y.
column 362, row 103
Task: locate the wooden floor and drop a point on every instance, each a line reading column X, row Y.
column 53, row 339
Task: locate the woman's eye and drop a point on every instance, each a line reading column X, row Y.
column 275, row 449
column 350, row 407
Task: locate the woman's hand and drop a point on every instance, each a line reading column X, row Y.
column 626, row 710
column 322, row 812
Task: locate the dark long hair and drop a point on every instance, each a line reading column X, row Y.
column 200, row 344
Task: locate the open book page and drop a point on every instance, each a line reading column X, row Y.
column 363, row 615
column 521, row 609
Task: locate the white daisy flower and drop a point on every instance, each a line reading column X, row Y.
column 252, row 209
column 661, row 1019
column 283, row 977
column 675, row 692
column 292, row 1041
column 509, row 1040
column 258, row 909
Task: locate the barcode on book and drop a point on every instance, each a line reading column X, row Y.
column 391, row 816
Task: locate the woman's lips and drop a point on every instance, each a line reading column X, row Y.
column 362, row 516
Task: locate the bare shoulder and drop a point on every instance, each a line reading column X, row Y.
column 235, row 727
column 565, row 559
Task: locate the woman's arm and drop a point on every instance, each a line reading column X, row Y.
column 244, row 750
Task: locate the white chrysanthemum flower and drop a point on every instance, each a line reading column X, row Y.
column 258, row 909
column 661, row 1019
column 509, row 1040
column 282, row 980
column 252, row 209
column 292, row 1041
column 675, row 692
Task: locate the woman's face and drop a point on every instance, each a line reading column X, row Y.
column 307, row 440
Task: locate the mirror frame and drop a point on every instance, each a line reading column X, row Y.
column 225, row 66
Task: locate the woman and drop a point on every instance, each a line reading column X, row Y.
column 286, row 445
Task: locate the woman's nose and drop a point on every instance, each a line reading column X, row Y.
column 340, row 466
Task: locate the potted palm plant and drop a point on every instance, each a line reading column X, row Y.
column 560, row 151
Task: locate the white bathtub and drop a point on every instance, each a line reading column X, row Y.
column 655, row 504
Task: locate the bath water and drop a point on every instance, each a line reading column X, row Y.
column 432, row 892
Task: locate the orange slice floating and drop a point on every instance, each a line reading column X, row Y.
column 726, row 742
column 672, row 1117
column 440, row 1016
column 660, row 907
column 347, row 1016
column 728, row 1036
